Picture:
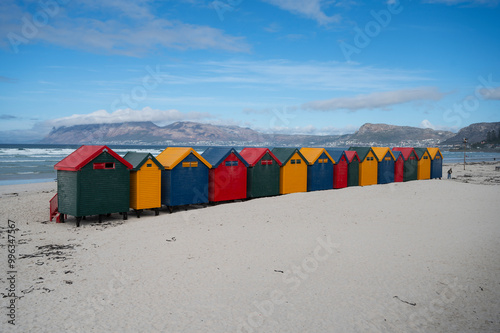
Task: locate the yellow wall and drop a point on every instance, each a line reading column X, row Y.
column 145, row 187
column 368, row 170
column 293, row 177
column 424, row 167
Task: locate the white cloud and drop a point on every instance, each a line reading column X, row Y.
column 312, row 9
column 427, row 124
column 490, row 93
column 134, row 30
column 376, row 100
column 283, row 74
column 159, row 117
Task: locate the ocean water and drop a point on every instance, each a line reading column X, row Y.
column 20, row 164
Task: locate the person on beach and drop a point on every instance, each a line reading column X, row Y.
column 449, row 173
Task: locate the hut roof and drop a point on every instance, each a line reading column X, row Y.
column 406, row 151
column 433, row 152
column 215, row 155
column 396, row 154
column 137, row 160
column 380, row 152
column 362, row 152
column 83, row 155
column 253, row 155
column 172, row 156
column 336, row 153
column 351, row 155
column 420, row 152
column 312, row 154
column 284, row 154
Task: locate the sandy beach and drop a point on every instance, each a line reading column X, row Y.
column 421, row 256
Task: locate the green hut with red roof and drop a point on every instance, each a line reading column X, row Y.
column 93, row 180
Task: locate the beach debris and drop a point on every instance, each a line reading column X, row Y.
column 53, row 251
column 278, row 271
column 171, row 240
column 410, row 303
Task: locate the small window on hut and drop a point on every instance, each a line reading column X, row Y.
column 266, row 162
column 149, row 165
column 438, row 157
column 412, row 157
column 292, row 161
column 387, row 158
column 186, row 164
column 299, row 161
column 102, row 166
column 194, row 164
column 426, row 157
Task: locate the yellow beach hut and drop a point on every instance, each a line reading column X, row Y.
column 293, row 170
column 424, row 163
column 368, row 166
column 145, row 182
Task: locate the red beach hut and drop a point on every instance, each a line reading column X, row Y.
column 340, row 167
column 227, row 179
column 399, row 165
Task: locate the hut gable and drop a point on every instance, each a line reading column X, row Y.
column 352, row 156
column 137, row 160
column 215, row 156
column 84, row 155
column 285, row 154
column 363, row 152
column 338, row 154
column 435, row 152
column 253, row 155
column 422, row 153
column 382, row 153
column 397, row 155
column 408, row 152
column 313, row 154
column 172, row 156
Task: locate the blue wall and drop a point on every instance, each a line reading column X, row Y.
column 185, row 186
column 437, row 168
column 386, row 170
column 320, row 175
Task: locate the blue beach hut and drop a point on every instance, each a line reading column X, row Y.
column 385, row 172
column 185, row 178
column 319, row 169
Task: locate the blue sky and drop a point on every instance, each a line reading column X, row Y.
column 280, row 66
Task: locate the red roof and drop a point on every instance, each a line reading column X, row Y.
column 83, row 155
column 405, row 151
column 253, row 155
column 351, row 154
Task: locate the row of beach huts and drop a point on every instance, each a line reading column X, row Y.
column 95, row 180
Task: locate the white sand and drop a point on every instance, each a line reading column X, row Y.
column 434, row 244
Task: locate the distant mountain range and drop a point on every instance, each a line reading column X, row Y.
column 474, row 133
column 191, row 133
